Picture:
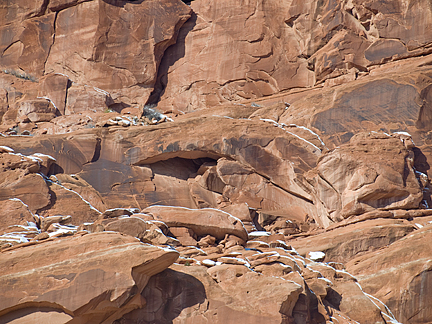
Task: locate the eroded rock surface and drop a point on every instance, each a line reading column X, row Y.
column 88, row 277
column 119, row 47
column 405, row 265
column 171, row 162
column 373, row 171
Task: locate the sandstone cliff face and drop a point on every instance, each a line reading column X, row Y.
column 211, row 162
column 265, row 48
column 111, row 45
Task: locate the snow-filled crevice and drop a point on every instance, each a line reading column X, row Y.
column 54, row 197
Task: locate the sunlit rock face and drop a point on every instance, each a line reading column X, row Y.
column 112, row 45
column 215, row 162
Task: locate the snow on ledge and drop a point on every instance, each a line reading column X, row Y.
column 259, row 234
column 317, row 255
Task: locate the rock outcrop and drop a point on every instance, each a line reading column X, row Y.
column 195, row 162
column 119, row 47
column 201, row 221
column 263, row 49
column 399, row 275
column 87, row 278
column 373, row 171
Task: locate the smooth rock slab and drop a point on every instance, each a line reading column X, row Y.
column 90, row 277
column 344, row 243
column 204, row 221
column 261, row 297
column 400, row 276
column 14, row 212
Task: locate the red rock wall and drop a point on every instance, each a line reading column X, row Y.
column 287, row 142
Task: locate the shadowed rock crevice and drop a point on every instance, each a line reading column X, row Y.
column 179, row 167
column 53, row 199
column 166, row 294
column 421, row 168
column 173, row 151
column 172, row 54
column 97, row 152
column 425, row 114
column 306, row 308
column 53, row 37
column 333, row 298
column 121, row 3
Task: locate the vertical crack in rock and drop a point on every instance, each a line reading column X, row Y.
column 172, row 54
column 97, row 151
column 53, row 41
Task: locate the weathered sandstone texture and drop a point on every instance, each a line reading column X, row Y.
column 98, row 45
column 87, row 278
column 265, row 48
column 215, row 162
column 400, row 276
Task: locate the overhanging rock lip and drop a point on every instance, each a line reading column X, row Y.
column 184, row 154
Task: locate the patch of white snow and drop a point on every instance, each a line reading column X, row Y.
column 258, row 234
column 208, row 263
column 318, row 255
